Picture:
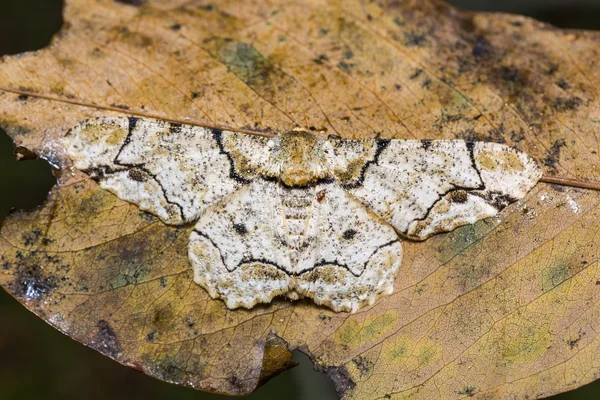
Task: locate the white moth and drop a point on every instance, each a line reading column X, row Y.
column 297, row 215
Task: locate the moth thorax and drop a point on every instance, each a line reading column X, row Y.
column 302, row 158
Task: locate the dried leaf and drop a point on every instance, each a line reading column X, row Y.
column 505, row 308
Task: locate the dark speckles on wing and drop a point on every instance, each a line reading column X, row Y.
column 349, row 234
column 458, row 196
column 137, row 175
column 175, row 128
column 240, row 229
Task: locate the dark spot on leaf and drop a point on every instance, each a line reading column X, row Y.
column 573, row 342
column 551, row 69
column 349, row 234
column 235, row 382
column 207, row 7
column 554, row 275
column 23, row 97
column 244, row 61
column 516, row 137
column 32, row 237
column 30, row 282
column 324, row 317
column 397, row 86
column 414, row 39
column 190, row 322
column 346, row 67
column 563, row 84
column 151, row 336
column 120, row 106
column 321, row 59
column 482, row 48
column 91, row 204
column 364, row 365
column 467, row 391
column 135, row 3
column 348, row 54
column 416, row 74
column 495, row 135
column 195, row 95
column 162, row 318
column 426, row 84
column 46, row 241
column 175, row 27
column 398, row 21
column 441, row 122
column 511, row 79
column 467, row 275
column 240, row 229
column 163, row 282
column 562, row 105
column 553, row 154
column 106, row 340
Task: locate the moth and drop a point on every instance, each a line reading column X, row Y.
column 298, row 215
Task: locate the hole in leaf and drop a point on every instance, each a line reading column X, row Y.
column 582, row 14
column 23, row 184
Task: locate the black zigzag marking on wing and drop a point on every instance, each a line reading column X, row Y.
column 323, row 263
column 218, row 136
column 496, row 199
column 382, row 144
column 204, row 235
column 104, row 170
column 277, row 180
column 337, row 263
column 470, row 147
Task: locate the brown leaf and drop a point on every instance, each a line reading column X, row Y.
column 505, row 308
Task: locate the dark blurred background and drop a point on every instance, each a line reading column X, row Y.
column 38, row 362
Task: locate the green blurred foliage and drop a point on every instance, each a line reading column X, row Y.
column 38, row 362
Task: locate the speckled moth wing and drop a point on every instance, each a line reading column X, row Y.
column 265, row 240
column 427, row 187
column 171, row 170
column 356, row 253
column 297, row 215
column 233, row 248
